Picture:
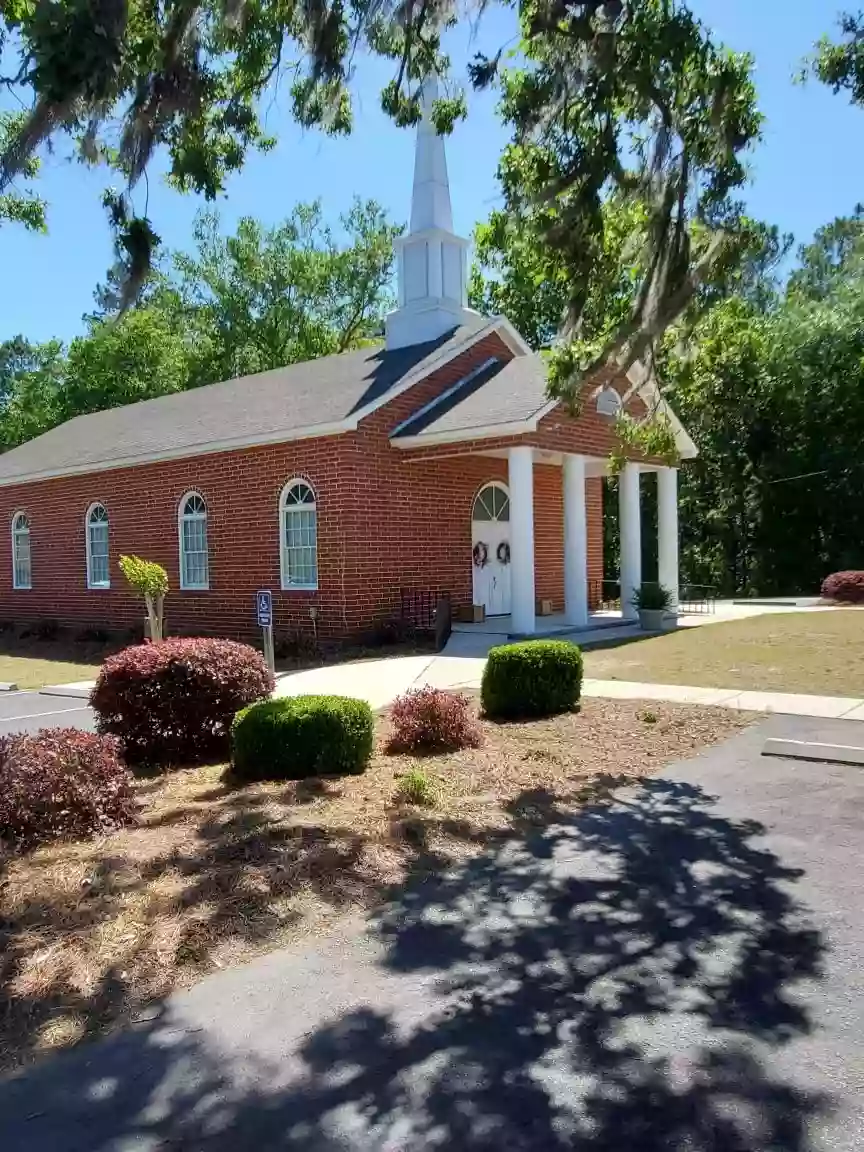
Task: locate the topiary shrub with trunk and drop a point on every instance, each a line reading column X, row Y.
column 532, row 678
column 173, row 703
column 59, row 783
column 150, row 580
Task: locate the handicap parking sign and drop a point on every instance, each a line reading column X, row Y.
column 265, row 609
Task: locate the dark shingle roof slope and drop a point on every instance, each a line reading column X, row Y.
column 248, row 409
column 502, row 394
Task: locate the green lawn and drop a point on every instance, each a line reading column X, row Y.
column 35, row 663
column 821, row 653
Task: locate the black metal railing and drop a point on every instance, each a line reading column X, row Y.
column 426, row 611
column 697, row 599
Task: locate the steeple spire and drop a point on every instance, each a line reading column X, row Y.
column 430, row 201
column 432, row 261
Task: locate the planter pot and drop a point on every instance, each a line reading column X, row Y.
column 651, row 619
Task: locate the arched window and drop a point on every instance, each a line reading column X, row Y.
column 192, row 529
column 98, row 571
column 608, row 401
column 492, row 503
column 21, row 573
column 299, row 535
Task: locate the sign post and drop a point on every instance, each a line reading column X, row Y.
column 264, row 605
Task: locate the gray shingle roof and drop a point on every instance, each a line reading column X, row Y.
column 502, row 394
column 247, row 409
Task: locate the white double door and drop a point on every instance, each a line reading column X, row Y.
column 492, row 579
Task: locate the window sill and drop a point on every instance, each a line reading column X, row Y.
column 194, row 587
column 98, row 587
column 299, row 587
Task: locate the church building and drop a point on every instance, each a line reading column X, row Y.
column 435, row 463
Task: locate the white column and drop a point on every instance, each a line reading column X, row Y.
column 575, row 542
column 630, row 528
column 521, row 473
column 667, row 530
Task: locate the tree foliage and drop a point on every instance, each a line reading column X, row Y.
column 122, row 78
column 19, row 204
column 840, row 63
column 632, row 105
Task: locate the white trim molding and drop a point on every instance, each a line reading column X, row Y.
column 183, row 517
column 308, row 532
column 17, row 531
column 89, row 522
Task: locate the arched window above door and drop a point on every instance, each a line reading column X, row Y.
column 492, row 503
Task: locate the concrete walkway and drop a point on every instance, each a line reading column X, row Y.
column 379, row 681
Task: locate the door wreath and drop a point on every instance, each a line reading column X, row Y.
column 480, row 554
column 503, row 552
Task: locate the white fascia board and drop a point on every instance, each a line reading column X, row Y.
column 463, row 435
column 211, row 448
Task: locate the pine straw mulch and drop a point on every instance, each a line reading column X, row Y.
column 90, row 932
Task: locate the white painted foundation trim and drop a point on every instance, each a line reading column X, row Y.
column 520, row 460
column 630, row 528
column 575, row 542
column 667, row 530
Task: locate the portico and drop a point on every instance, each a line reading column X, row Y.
column 575, row 468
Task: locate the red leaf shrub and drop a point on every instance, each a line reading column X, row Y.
column 60, row 782
column 847, row 587
column 173, row 702
column 428, row 719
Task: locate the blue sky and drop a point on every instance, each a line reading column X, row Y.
column 809, row 168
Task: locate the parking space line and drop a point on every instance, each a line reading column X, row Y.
column 35, row 715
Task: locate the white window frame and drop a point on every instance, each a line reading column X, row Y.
column 101, row 584
column 284, row 512
column 503, row 489
column 185, row 586
column 16, row 532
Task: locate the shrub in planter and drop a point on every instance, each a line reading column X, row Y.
column 532, row 678
column 847, row 587
column 428, row 719
column 299, row 736
column 59, row 783
column 174, row 702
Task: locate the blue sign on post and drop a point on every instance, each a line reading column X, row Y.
column 265, row 609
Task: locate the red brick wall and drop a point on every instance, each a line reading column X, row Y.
column 386, row 519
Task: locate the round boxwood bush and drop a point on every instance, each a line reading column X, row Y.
column 845, row 587
column 60, row 783
column 532, row 678
column 299, row 736
column 174, row 702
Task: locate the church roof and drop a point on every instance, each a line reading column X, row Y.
column 313, row 398
column 500, row 394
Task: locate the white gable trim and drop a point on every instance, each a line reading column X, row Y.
column 446, row 394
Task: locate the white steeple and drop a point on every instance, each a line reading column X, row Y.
column 432, row 262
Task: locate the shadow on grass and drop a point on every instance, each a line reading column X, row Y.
column 613, row 980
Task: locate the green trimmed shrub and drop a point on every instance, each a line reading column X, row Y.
column 299, row 736
column 532, row 678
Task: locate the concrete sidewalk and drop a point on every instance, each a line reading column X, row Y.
column 379, row 681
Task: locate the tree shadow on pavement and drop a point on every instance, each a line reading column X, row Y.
column 618, row 979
